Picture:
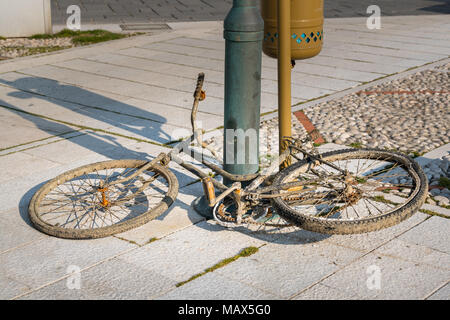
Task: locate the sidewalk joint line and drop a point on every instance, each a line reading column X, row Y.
column 69, row 275
column 39, row 140
column 100, row 90
column 306, row 84
column 245, row 252
column 269, row 67
column 396, row 35
column 87, row 128
column 436, row 290
column 42, row 145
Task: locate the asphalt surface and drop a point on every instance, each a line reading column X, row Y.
column 146, row 11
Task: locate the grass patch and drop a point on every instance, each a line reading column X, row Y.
column 415, row 154
column 356, row 145
column 2, row 38
column 151, row 240
column 78, row 38
column 383, row 200
column 315, row 144
column 444, row 182
column 38, row 50
column 83, row 37
column 432, row 213
column 244, row 253
column 129, row 241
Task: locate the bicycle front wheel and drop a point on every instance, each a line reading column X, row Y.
column 98, row 200
column 359, row 191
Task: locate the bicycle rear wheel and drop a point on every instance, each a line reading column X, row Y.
column 381, row 189
column 85, row 203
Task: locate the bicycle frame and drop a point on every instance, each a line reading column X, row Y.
column 253, row 192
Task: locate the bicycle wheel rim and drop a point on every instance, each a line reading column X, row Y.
column 42, row 224
column 362, row 224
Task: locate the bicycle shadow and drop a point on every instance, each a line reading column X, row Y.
column 89, row 104
column 64, row 97
column 286, row 236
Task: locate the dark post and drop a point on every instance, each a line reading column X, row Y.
column 243, row 32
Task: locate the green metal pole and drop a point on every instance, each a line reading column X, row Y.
column 243, row 32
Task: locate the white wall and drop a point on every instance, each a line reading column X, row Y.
column 23, row 18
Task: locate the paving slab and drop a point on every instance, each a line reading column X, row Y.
column 214, row 286
column 372, row 58
column 34, row 127
column 28, row 165
column 124, row 73
column 355, row 65
column 367, row 242
column 177, row 58
column 395, row 281
column 91, row 107
column 173, row 255
column 303, row 67
column 391, row 43
column 112, row 85
column 357, row 34
column 110, row 280
column 144, row 63
column 316, row 81
column 16, row 230
column 42, row 262
column 188, row 50
column 433, row 233
column 83, row 146
column 390, row 52
column 298, row 91
column 87, row 51
column 120, row 122
column 298, row 78
column 29, row 87
column 415, row 253
column 285, row 270
column 16, row 134
column 322, row 292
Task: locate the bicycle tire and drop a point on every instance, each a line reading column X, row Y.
column 367, row 224
column 100, row 232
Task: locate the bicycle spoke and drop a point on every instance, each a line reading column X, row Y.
column 355, row 200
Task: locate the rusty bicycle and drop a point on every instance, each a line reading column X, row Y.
column 338, row 192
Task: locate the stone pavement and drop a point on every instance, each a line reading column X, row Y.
column 126, row 99
column 147, row 11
